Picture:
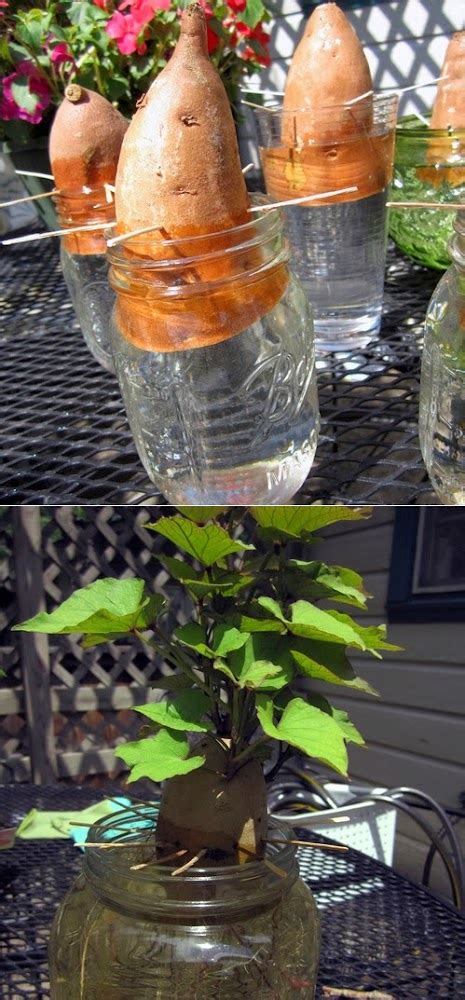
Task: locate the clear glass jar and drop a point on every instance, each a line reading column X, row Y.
column 213, row 346
column 243, row 932
column 442, row 390
column 429, row 165
column 85, row 267
column 338, row 244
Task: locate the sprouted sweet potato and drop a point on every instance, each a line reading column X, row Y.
column 179, row 171
column 85, row 143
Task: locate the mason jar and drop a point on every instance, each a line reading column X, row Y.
column 429, row 165
column 85, row 266
column 239, row 932
column 213, row 347
column 442, row 389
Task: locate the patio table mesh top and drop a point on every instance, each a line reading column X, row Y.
column 379, row 931
column 64, row 433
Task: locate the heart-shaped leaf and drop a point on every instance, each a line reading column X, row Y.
column 207, row 544
column 159, row 757
column 286, row 523
column 326, row 661
column 314, row 623
column 109, row 608
column 307, row 728
column 185, row 712
column 194, row 636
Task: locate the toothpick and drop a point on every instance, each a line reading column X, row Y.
column 91, row 843
column 333, row 991
column 421, row 118
column 109, row 192
column 448, row 206
column 269, row 864
column 33, row 173
column 415, row 86
column 57, row 232
column 261, row 107
column 300, row 201
column 245, row 170
column 129, row 236
column 355, row 100
column 30, row 197
column 258, row 90
column 159, row 861
column 309, row 843
column 190, row 863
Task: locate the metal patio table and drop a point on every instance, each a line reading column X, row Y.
column 379, row 931
column 64, row 433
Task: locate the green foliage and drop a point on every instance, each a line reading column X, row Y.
column 255, row 642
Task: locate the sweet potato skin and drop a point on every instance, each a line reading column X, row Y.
column 85, row 140
column 449, row 105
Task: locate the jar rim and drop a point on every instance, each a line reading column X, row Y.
column 374, row 99
column 278, row 854
column 411, row 127
column 262, row 225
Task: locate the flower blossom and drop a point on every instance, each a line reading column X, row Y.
column 38, row 86
column 61, row 54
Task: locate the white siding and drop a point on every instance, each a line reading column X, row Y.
column 415, row 731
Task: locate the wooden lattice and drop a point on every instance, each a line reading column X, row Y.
column 87, row 698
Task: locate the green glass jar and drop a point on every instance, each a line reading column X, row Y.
column 442, row 386
column 429, row 165
column 242, row 932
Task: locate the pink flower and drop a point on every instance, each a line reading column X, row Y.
column 125, row 31
column 37, row 85
column 61, row 54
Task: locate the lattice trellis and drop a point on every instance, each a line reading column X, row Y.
column 91, row 691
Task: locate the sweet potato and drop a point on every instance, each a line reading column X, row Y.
column 325, row 144
column 85, row 143
column 448, row 114
column 180, row 171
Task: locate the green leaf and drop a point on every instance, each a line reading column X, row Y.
column 22, row 95
column 200, row 584
column 327, row 661
column 185, row 712
column 207, row 544
column 201, row 514
column 349, row 731
column 226, row 638
column 286, row 523
column 159, row 757
column 253, row 13
column 313, row 580
column 222, row 666
column 195, row 637
column 176, row 682
column 372, row 636
column 258, row 621
column 109, row 608
column 275, row 668
column 314, row 623
column 270, row 605
column 307, row 728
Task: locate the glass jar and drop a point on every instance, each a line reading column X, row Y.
column 442, row 390
column 338, row 243
column 242, row 932
column 429, row 165
column 213, row 347
column 85, row 267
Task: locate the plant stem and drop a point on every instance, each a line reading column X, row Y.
column 248, row 753
column 173, row 656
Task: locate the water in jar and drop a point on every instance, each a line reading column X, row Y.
column 86, row 277
column 233, row 423
column 339, row 254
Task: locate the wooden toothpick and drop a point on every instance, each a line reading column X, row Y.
column 448, row 206
column 159, row 861
column 300, row 201
column 57, row 232
column 334, row 991
column 309, row 843
column 190, row 863
column 246, row 169
column 30, row 197
column 129, row 236
column 34, row 173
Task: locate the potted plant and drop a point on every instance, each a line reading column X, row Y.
column 115, row 47
column 206, row 900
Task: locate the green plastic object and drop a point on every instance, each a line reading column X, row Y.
column 429, row 165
